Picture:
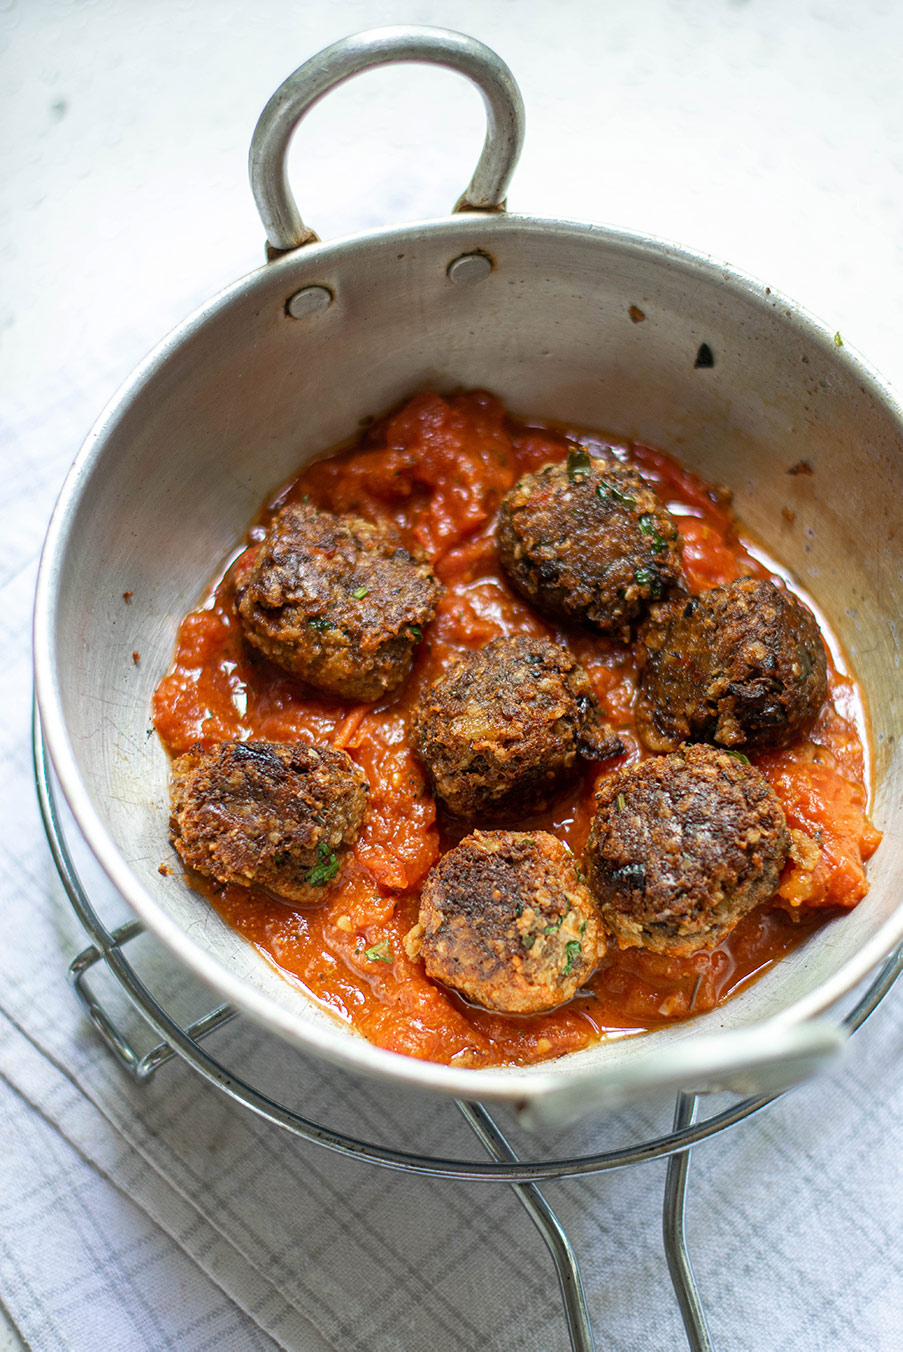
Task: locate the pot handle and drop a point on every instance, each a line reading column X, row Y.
column 362, row 51
column 764, row 1060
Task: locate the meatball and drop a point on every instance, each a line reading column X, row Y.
column 742, row 665
column 682, row 847
column 266, row 814
column 507, row 921
column 588, row 540
column 338, row 602
column 502, row 730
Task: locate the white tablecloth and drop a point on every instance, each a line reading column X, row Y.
column 770, row 134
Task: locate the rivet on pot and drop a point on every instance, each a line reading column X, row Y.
column 469, row 268
column 310, row 300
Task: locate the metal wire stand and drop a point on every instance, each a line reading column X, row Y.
column 504, row 1166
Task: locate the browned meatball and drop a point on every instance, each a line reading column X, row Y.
column 266, row 814
column 588, row 540
column 682, row 847
column 502, row 730
column 506, row 920
column 742, row 665
column 338, row 602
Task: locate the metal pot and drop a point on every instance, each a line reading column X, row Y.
column 282, row 364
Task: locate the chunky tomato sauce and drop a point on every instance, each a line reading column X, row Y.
column 438, row 469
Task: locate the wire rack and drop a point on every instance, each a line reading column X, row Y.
column 108, row 947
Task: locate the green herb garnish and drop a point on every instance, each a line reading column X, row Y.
column 328, row 866
column 605, row 487
column 648, row 527
column 579, row 464
column 555, row 925
column 416, row 632
column 645, row 578
column 359, row 593
column 838, row 341
column 737, row 755
column 528, row 940
column 380, row 952
column 572, row 949
column 320, row 623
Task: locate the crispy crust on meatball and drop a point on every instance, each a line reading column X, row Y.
column 267, row 814
column 507, row 921
column 589, row 540
column 741, row 665
column 503, row 728
column 338, row 602
column 682, row 847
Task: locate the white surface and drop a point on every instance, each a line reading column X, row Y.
column 769, row 134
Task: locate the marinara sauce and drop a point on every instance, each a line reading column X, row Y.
column 438, row 469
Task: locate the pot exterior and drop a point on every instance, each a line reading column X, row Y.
column 569, row 322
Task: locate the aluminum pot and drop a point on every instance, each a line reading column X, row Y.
column 282, row 364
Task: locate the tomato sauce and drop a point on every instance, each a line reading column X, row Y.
column 438, row 469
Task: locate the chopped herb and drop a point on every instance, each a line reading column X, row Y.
column 644, row 578
column 320, row 623
column 326, row 869
column 583, row 927
column 579, row 464
column 555, row 925
column 838, row 341
column 359, row 593
column 380, row 952
column 620, row 802
column 528, row 940
column 416, row 632
column 648, row 527
column 737, row 755
column 605, row 487
column 280, row 856
column 572, row 949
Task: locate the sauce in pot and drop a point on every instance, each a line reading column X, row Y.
column 438, row 469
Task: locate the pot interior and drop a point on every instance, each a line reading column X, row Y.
column 241, row 396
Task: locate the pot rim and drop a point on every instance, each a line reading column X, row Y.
column 335, row 1040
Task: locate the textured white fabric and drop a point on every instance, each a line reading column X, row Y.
column 166, row 1217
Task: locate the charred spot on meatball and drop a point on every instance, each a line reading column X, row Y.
column 682, row 847
column 267, row 814
column 507, row 921
column 338, row 602
column 742, row 666
column 588, row 540
column 502, row 730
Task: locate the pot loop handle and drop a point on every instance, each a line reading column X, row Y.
column 362, row 51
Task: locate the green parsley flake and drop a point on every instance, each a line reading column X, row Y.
column 416, row 632
column 645, row 578
column 326, row 869
column 359, row 593
column 838, row 341
column 737, row 755
column 648, row 527
column 320, row 623
column 605, row 487
column 528, row 940
column 572, row 949
column 579, row 464
column 381, row 952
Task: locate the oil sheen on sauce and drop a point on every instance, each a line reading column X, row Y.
column 438, row 469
